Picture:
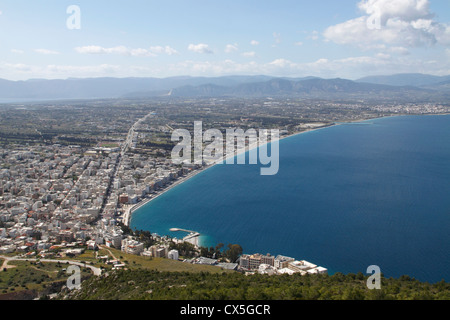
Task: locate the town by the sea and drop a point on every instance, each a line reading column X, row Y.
column 346, row 197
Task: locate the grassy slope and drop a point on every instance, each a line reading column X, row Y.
column 26, row 275
column 31, row 276
column 134, row 262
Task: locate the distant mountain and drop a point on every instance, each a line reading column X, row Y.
column 235, row 86
column 88, row 88
column 310, row 88
column 406, row 79
column 441, row 86
column 71, row 88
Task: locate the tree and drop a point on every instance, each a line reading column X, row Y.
column 187, row 249
column 233, row 252
column 218, row 250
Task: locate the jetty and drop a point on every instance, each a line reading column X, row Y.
column 192, row 236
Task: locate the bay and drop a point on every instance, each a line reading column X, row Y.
column 346, row 197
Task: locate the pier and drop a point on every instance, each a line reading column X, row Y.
column 192, row 236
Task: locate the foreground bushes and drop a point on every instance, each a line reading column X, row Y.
column 145, row 284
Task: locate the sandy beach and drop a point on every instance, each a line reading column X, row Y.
column 130, row 208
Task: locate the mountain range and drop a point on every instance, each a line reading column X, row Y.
column 400, row 86
column 407, row 79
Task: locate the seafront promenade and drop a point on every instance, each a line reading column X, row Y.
column 132, row 208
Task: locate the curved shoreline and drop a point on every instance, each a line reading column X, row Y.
column 129, row 211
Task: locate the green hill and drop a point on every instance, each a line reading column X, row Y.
column 144, row 284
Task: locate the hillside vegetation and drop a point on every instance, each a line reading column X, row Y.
column 156, row 285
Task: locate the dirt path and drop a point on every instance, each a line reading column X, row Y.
column 106, row 248
column 5, row 264
column 95, row 270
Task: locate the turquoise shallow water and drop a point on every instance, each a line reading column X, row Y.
column 345, row 197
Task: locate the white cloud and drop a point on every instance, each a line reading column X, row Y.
column 254, row 43
column 95, row 50
column 299, row 43
column 249, row 54
column 350, row 68
column 45, row 51
column 113, row 50
column 139, row 52
column 283, row 63
column 399, row 50
column 213, row 68
column 442, row 33
column 383, row 55
column 82, row 70
column 399, row 23
column 21, row 71
column 16, row 67
column 17, row 51
column 122, row 50
column 170, row 51
column 404, row 10
column 200, row 48
column 163, row 50
column 229, row 48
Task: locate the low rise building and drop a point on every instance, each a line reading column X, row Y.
column 159, row 251
column 131, row 246
column 252, row 262
column 173, row 254
column 281, row 262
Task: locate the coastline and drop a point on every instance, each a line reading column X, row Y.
column 129, row 211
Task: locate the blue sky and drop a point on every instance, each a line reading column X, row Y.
column 328, row 38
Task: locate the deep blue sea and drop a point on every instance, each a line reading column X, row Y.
column 345, row 197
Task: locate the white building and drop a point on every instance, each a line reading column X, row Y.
column 285, row 271
column 132, row 246
column 282, row 261
column 266, row 269
column 116, row 241
column 173, row 254
column 159, row 251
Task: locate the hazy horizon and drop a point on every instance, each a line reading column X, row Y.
column 229, row 75
column 347, row 39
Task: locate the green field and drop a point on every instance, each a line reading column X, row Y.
column 42, row 278
column 134, row 262
column 34, row 276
